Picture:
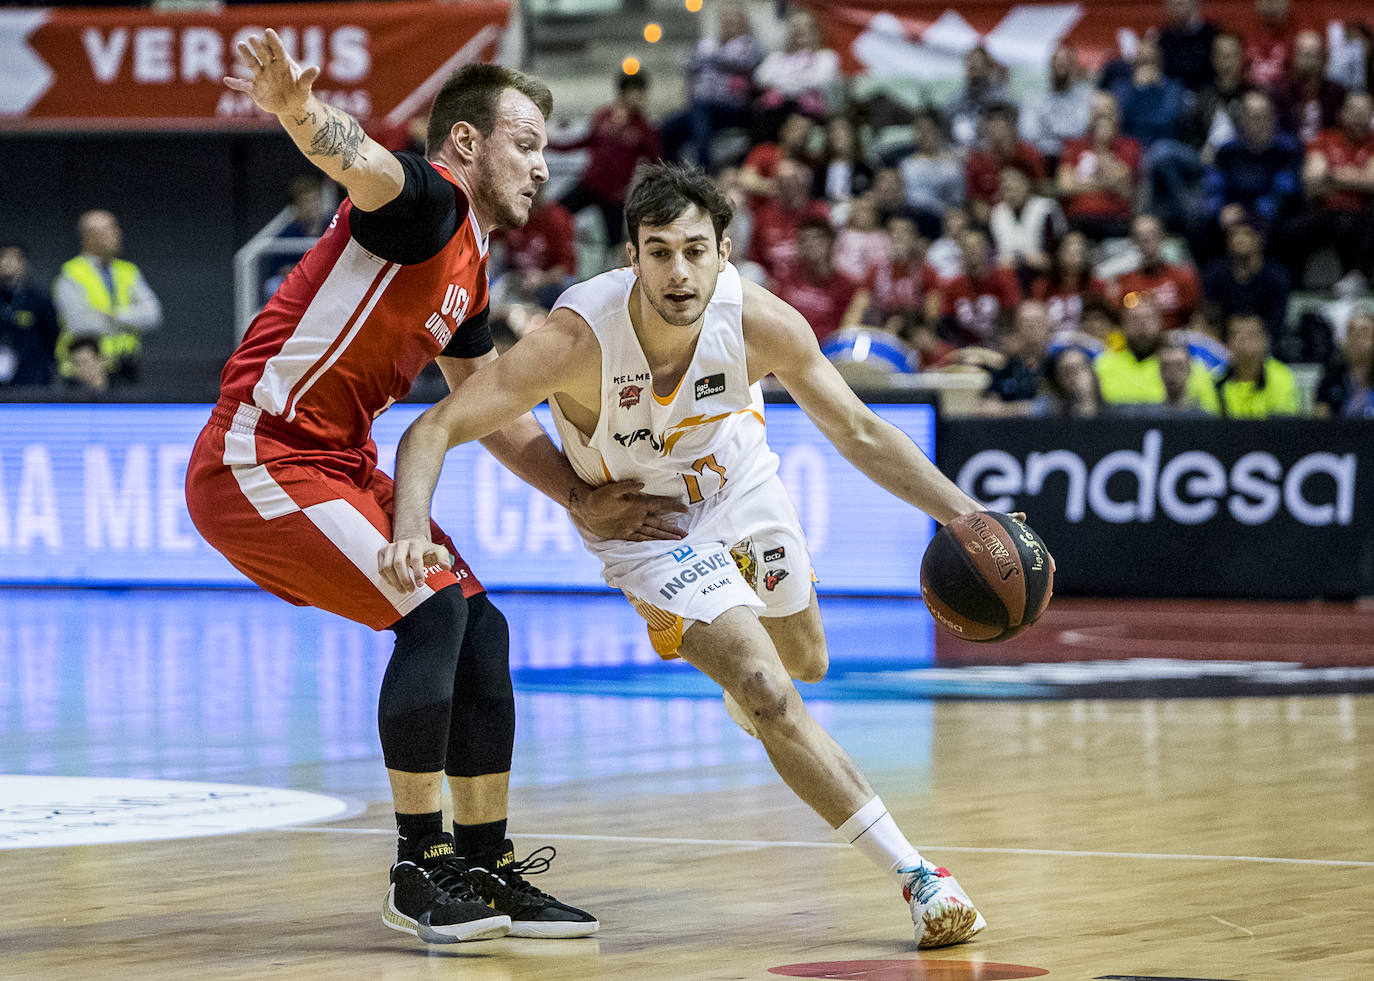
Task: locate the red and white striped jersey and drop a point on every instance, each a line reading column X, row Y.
column 348, row 332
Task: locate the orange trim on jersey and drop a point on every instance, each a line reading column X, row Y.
column 605, row 469
column 671, row 436
column 669, row 399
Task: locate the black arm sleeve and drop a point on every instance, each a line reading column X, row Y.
column 472, row 339
column 418, row 222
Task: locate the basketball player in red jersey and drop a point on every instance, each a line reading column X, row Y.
column 283, row 479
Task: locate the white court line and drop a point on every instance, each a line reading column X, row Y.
column 745, row 843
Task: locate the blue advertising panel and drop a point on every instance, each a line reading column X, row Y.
column 93, row 495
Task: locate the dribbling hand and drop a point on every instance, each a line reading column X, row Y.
column 402, row 563
column 275, row 83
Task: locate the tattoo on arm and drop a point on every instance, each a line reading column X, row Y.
column 339, row 136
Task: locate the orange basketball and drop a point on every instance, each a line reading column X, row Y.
column 986, row 576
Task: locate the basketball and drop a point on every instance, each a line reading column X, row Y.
column 986, row 576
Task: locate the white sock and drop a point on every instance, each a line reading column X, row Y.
column 873, row 832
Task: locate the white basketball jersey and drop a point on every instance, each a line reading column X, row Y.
column 704, row 443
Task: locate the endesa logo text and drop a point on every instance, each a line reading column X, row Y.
column 1189, row 488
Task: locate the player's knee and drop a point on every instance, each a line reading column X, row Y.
column 768, row 697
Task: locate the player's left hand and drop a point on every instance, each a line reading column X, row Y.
column 402, row 563
column 275, row 83
column 619, row 511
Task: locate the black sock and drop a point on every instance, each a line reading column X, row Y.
column 480, row 841
column 412, row 829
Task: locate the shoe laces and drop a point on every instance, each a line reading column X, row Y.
column 535, row 863
column 925, row 883
column 451, row 879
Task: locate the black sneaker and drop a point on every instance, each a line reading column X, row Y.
column 532, row 913
column 432, row 899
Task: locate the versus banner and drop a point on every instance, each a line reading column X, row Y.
column 927, row 39
column 1272, row 509
column 131, row 67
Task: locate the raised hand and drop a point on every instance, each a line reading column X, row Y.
column 275, row 83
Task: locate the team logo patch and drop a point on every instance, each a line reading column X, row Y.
column 743, row 554
column 629, row 395
column 710, row 385
column 774, row 555
column 772, row 577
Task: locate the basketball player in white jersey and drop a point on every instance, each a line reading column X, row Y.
column 652, row 372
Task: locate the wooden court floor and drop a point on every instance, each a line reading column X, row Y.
column 1193, row 838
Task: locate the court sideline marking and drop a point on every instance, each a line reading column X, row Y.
column 744, row 843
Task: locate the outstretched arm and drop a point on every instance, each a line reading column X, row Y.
column 330, row 137
column 779, row 340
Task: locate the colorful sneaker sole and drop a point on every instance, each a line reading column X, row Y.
column 487, row 928
column 948, row 923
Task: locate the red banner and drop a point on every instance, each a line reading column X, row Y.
column 140, row 68
column 927, row 39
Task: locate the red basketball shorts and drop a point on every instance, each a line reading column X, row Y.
column 306, row 526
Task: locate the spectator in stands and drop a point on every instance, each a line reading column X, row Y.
column 88, row 371
column 803, row 77
column 740, row 231
column 1072, row 384
column 1347, row 389
column 28, row 323
column 946, row 254
column 985, row 84
column 1185, row 44
column 1062, row 112
column 932, row 351
column 778, row 219
column 842, row 170
column 1015, row 387
column 905, row 284
column 933, row 173
column 619, row 137
column 824, row 295
column 309, row 216
column 1068, row 283
column 1097, row 175
column 719, row 86
column 889, row 193
column 1174, row 287
column 1255, row 386
column 1025, row 227
column 793, row 143
column 1269, row 43
column 540, row 262
column 99, row 294
column 1152, row 105
column 1338, row 176
column 862, row 245
column 1175, row 372
column 1257, row 174
column 1308, row 102
column 1351, row 58
column 1245, row 282
column 998, row 147
column 972, row 303
column 1101, row 321
column 1131, row 376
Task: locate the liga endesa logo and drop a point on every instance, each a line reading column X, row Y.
column 1189, row 488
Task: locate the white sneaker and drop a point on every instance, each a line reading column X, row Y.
column 940, row 909
column 738, row 714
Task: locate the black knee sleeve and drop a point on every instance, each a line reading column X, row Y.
column 482, row 725
column 417, row 689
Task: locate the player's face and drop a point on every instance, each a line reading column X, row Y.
column 510, row 161
column 678, row 264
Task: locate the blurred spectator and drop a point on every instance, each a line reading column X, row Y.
column 1247, row 283
column 1350, row 62
column 1185, row 44
column 99, row 294
column 1338, row 175
column 1255, row 386
column 946, row 254
column 889, row 194
column 620, row 136
column 540, row 262
column 309, row 216
column 1072, row 384
column 972, row 303
column 1347, row 389
column 1256, row 174
column 1015, row 387
column 862, row 246
column 1098, row 174
column 778, row 219
column 1308, row 102
column 1062, row 112
column 1152, row 105
column 28, row 323
column 1101, row 321
column 1024, row 226
column 802, row 77
column 1068, row 283
column 88, row 369
column 821, row 293
column 719, row 85
column 740, row 231
column 997, row 148
column 842, row 170
column 905, row 284
column 1269, row 43
column 932, row 174
column 1131, row 375
column 1175, row 372
column 1173, row 287
column 985, row 84
column 932, row 351
column 793, row 143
